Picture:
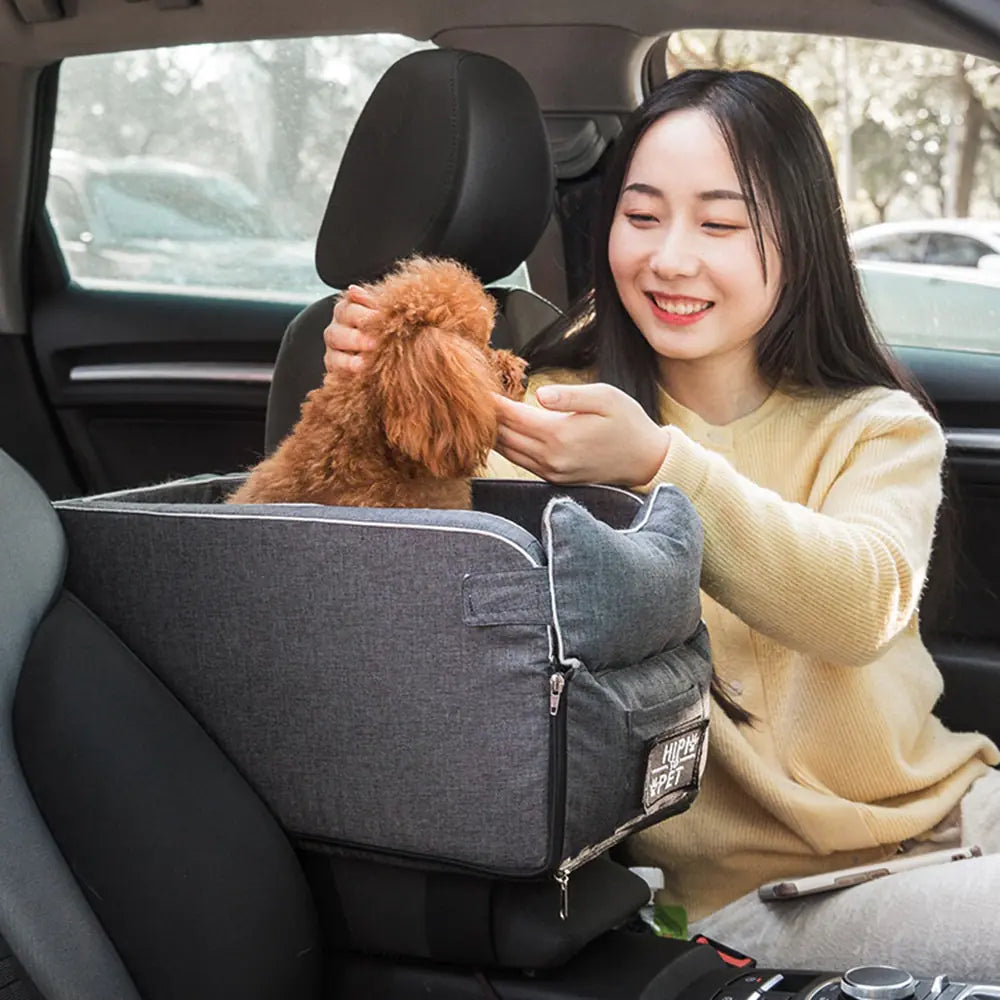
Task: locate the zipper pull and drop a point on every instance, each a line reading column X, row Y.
column 557, row 683
column 562, row 877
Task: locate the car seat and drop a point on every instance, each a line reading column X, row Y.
column 449, row 158
column 135, row 861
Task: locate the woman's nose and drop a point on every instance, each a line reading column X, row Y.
column 673, row 256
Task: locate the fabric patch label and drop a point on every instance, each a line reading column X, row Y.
column 674, row 763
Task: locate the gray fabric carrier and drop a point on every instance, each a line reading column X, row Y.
column 508, row 690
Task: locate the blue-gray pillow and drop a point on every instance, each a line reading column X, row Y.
column 621, row 595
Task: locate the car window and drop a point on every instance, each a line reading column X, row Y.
column 141, row 203
column 913, row 133
column 904, row 248
column 66, row 212
column 206, row 169
column 952, row 250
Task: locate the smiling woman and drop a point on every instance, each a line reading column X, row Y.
column 727, row 294
column 730, row 354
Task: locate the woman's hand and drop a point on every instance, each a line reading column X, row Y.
column 347, row 344
column 585, row 433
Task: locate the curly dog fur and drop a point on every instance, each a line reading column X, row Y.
column 419, row 421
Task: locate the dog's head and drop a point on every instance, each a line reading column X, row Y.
column 433, row 372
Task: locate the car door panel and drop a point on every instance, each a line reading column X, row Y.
column 965, row 388
column 148, row 387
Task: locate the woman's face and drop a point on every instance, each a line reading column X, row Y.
column 682, row 253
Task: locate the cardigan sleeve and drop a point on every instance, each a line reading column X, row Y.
column 842, row 581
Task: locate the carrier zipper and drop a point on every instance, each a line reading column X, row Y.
column 567, row 868
column 588, row 854
column 557, row 684
column 563, row 879
column 557, row 773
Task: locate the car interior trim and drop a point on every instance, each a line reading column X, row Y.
column 199, row 371
column 974, row 439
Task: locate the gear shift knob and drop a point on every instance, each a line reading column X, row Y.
column 877, row 982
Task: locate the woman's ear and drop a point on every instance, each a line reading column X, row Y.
column 433, row 391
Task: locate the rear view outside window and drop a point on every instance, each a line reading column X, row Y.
column 206, row 169
column 915, row 134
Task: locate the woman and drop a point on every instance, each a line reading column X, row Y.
column 729, row 352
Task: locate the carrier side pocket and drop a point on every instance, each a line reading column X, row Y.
column 625, row 723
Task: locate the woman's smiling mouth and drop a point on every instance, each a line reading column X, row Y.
column 678, row 310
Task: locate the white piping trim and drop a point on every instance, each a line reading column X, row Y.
column 650, row 504
column 564, row 660
column 155, row 486
column 127, row 509
column 616, row 489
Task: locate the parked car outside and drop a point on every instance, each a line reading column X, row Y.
column 952, row 243
column 158, row 222
column 927, row 305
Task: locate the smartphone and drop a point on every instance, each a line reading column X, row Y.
column 793, row 888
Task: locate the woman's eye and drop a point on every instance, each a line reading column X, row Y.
column 640, row 218
column 721, row 226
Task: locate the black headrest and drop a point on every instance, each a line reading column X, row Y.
column 449, row 158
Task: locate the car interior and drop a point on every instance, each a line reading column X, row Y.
column 149, row 841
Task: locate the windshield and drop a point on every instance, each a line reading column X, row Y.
column 164, row 206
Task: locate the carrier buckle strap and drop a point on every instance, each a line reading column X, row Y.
column 519, row 597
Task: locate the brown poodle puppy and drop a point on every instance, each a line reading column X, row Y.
column 418, row 422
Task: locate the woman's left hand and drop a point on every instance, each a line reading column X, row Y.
column 582, row 433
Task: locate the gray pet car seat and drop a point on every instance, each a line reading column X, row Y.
column 449, row 158
column 496, row 695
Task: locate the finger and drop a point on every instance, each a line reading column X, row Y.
column 350, row 313
column 340, row 337
column 576, row 398
column 524, row 418
column 516, row 441
column 362, row 296
column 524, row 460
column 357, row 315
column 527, row 461
column 340, row 362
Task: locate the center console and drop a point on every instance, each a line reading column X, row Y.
column 624, row 965
column 870, row 982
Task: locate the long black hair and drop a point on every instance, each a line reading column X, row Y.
column 819, row 335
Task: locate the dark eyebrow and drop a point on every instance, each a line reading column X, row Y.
column 717, row 194
column 720, row 194
column 644, row 189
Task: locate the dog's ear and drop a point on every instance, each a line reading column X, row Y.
column 433, row 390
column 509, row 370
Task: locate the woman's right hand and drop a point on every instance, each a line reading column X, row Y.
column 348, row 346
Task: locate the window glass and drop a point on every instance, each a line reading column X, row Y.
column 951, row 250
column 67, row 213
column 915, row 134
column 904, row 248
column 206, row 169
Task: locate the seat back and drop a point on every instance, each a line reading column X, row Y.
column 135, row 860
column 449, row 158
